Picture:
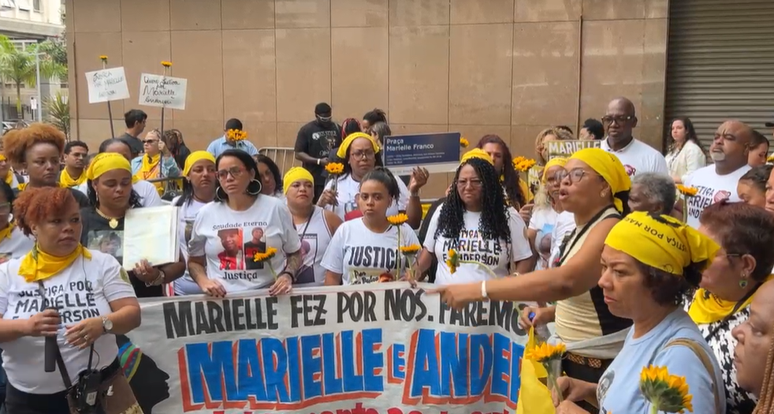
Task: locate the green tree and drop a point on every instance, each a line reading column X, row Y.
column 18, row 66
column 58, row 108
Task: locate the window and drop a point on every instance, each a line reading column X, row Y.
column 23, row 4
column 36, row 5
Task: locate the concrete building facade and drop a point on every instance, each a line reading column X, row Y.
column 508, row 67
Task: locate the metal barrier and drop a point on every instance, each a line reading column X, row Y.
column 284, row 157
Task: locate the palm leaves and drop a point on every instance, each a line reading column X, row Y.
column 18, row 66
column 58, row 108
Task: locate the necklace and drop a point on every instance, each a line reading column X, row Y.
column 112, row 221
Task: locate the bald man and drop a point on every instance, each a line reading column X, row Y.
column 636, row 156
column 718, row 181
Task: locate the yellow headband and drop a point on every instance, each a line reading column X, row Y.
column 661, row 242
column 295, row 174
column 193, row 158
column 554, row 162
column 610, row 168
column 107, row 161
column 342, row 152
column 2, row 157
column 476, row 153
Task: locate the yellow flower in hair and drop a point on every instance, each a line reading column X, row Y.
column 166, row 64
column 397, row 219
column 665, row 392
column 103, row 58
column 546, row 352
column 410, row 250
column 452, row 260
column 268, row 255
column 687, row 191
column 464, row 142
column 334, row 168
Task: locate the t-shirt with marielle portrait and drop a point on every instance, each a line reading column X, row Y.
column 83, row 290
column 230, row 239
column 494, row 254
column 359, row 255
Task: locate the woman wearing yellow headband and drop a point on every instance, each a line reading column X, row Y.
column 93, row 304
column 594, row 188
column 360, row 155
column 198, row 191
column 314, row 225
column 745, row 234
column 109, row 180
column 149, row 196
column 649, row 264
column 546, row 212
column 157, row 162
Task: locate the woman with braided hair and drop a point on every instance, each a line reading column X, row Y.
column 754, row 355
column 476, row 223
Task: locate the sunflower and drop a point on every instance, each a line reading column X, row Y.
column 523, row 165
column 166, row 64
column 103, row 58
column 452, row 260
column 397, row 219
column 687, row 191
column 546, row 352
column 334, row 168
column 665, row 392
column 268, row 255
column 236, row 135
column 410, row 250
column 464, row 142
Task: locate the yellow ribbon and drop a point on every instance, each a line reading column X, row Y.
column 707, row 308
column 662, row 242
column 22, row 186
column 150, row 169
column 6, row 232
column 37, row 265
column 610, row 168
column 66, row 181
column 476, row 153
column 342, row 152
column 295, row 174
column 9, row 177
column 193, row 158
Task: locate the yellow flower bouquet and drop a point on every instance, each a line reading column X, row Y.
column 550, row 356
column 686, row 192
column 665, row 392
column 265, row 257
column 236, row 135
column 522, row 164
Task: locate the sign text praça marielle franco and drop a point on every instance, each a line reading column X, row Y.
column 439, row 153
column 377, row 349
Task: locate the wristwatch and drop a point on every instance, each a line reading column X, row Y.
column 107, row 324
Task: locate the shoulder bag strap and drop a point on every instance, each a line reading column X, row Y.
column 699, row 351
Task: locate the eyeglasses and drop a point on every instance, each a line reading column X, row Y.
column 472, row 183
column 576, row 174
column 619, row 119
column 365, row 155
column 150, row 141
column 235, row 172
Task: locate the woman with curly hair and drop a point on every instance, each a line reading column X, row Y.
column 110, row 190
column 477, row 224
column 38, row 149
column 94, row 303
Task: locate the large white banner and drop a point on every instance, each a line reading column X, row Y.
column 373, row 349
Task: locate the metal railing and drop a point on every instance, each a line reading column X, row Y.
column 284, row 157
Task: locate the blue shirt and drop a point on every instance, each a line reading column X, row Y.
column 618, row 389
column 219, row 145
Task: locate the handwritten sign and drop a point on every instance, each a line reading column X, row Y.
column 162, row 91
column 437, row 152
column 565, row 149
column 107, row 85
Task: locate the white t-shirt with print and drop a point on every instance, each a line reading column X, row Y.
column 565, row 224
column 185, row 285
column 347, row 188
column 639, row 157
column 543, row 222
column 149, row 197
column 360, row 255
column 15, row 246
column 84, row 290
column 217, row 226
column 712, row 188
column 494, row 254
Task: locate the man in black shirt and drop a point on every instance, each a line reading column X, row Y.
column 314, row 144
column 135, row 123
